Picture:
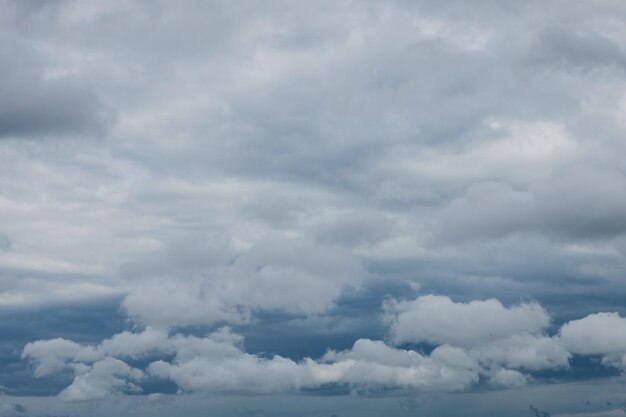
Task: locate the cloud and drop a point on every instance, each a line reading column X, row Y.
column 595, row 334
column 299, row 125
column 503, row 346
column 494, row 336
column 508, row 378
column 5, row 243
column 568, row 48
column 372, row 364
column 583, row 201
column 523, row 351
column 355, row 229
column 575, row 202
column 100, row 380
column 439, row 320
column 487, row 210
column 54, row 354
column 218, row 363
column 213, row 364
column 50, row 355
column 36, row 106
column 265, row 164
column 7, row 409
column 103, row 376
column 309, row 277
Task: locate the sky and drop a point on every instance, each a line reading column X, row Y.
column 316, row 209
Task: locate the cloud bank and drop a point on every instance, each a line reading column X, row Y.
column 480, row 340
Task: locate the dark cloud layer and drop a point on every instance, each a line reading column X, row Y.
column 36, row 104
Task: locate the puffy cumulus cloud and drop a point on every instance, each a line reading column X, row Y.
column 596, row 334
column 500, row 340
column 523, row 351
column 512, row 338
column 600, row 334
column 219, row 363
column 128, row 345
column 507, row 378
column 475, row 341
column 503, row 339
column 50, row 355
column 293, row 276
column 501, row 346
column 438, row 320
column 97, row 374
column 372, row 364
column 100, row 380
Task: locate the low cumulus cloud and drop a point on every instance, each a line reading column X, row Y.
column 597, row 334
column 473, row 341
column 439, row 320
column 218, row 363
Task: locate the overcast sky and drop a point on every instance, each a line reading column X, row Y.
column 315, row 209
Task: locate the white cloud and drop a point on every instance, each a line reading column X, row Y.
column 597, row 334
column 507, row 378
column 525, row 351
column 439, row 320
column 214, row 365
column 104, row 378
column 218, row 363
column 289, row 275
column 50, row 355
column 374, row 364
column 472, row 340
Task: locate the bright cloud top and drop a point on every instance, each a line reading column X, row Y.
column 439, row 320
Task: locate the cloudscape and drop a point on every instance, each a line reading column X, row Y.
column 313, row 208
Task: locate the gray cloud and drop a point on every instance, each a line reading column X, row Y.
column 12, row 409
column 5, row 243
column 575, row 202
column 311, row 279
column 567, row 48
column 34, row 105
column 279, row 163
